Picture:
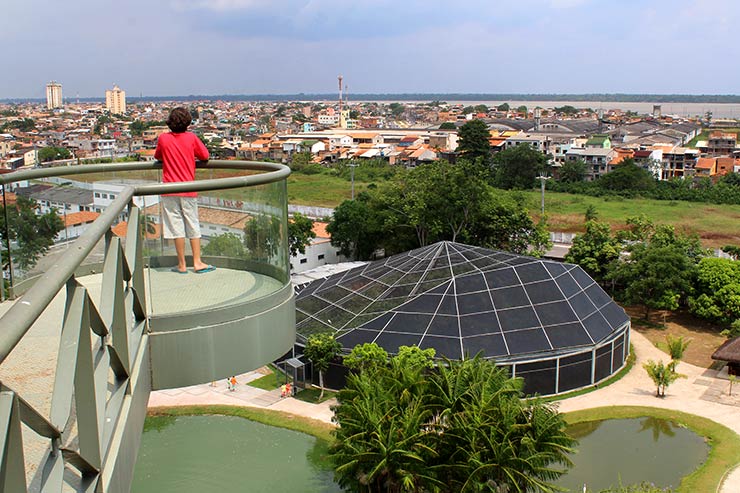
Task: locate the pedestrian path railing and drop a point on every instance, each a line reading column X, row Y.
column 91, row 429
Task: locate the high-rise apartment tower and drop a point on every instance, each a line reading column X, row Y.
column 115, row 100
column 53, row 95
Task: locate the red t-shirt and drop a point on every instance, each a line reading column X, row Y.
column 178, row 152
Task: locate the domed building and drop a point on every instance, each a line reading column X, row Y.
column 548, row 322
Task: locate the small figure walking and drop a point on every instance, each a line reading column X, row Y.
column 283, row 390
column 233, row 383
column 288, row 390
column 228, row 383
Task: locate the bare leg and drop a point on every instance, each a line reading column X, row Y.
column 197, row 262
column 180, row 249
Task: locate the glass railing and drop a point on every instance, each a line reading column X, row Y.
column 244, row 229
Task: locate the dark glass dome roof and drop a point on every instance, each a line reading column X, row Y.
column 461, row 300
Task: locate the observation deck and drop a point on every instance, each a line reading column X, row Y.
column 101, row 321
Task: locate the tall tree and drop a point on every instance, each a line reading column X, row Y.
column 505, row 224
column 656, row 276
column 33, row 233
column 354, row 227
column 717, row 290
column 572, row 171
column 627, row 176
column 594, row 250
column 518, row 167
column 320, row 350
column 473, row 143
column 300, row 233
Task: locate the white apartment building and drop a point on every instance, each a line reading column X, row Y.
column 115, row 101
column 53, row 95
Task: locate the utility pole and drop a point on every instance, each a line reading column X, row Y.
column 352, row 165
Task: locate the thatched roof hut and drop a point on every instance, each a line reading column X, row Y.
column 730, row 352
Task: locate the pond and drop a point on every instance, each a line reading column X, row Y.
column 207, row 454
column 633, row 450
column 214, row 454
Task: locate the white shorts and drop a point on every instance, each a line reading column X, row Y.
column 180, row 217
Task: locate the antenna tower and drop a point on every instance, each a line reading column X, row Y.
column 340, row 94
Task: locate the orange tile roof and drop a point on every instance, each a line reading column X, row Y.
column 705, row 163
column 621, row 155
column 320, row 229
column 75, row 218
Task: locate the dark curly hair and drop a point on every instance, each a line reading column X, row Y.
column 179, row 120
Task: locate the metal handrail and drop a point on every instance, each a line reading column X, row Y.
column 20, row 317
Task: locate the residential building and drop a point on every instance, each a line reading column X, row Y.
column 679, row 162
column 151, row 134
column 597, row 159
column 319, row 252
column 721, row 143
column 115, row 101
column 597, row 141
column 53, row 95
column 5, row 146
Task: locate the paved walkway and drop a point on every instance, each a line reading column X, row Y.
column 702, row 393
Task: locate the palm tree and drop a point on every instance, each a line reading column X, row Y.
column 321, row 349
column 662, row 375
column 381, row 443
column 676, row 347
column 459, row 427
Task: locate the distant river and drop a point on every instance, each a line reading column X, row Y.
column 719, row 110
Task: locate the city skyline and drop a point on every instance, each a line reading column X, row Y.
column 184, row 47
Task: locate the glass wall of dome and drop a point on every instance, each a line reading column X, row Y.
column 548, row 322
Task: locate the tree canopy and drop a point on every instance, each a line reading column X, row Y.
column 594, row 250
column 33, row 233
column 52, row 153
column 572, row 171
column 473, row 141
column 320, row 350
column 717, row 290
column 300, row 233
column 518, row 167
column 627, row 176
column 434, row 202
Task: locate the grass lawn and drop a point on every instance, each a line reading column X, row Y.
column 270, row 381
column 704, row 336
column 716, row 225
column 321, row 190
column 724, row 443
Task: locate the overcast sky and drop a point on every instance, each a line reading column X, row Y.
column 182, row 47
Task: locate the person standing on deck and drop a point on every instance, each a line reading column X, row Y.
column 178, row 150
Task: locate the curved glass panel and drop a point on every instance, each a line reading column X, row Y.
column 244, row 235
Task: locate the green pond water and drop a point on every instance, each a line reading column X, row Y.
column 220, row 454
column 632, row 450
column 204, row 454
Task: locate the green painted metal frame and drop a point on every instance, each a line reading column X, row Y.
column 103, row 375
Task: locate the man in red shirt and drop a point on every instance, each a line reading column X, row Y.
column 178, row 151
